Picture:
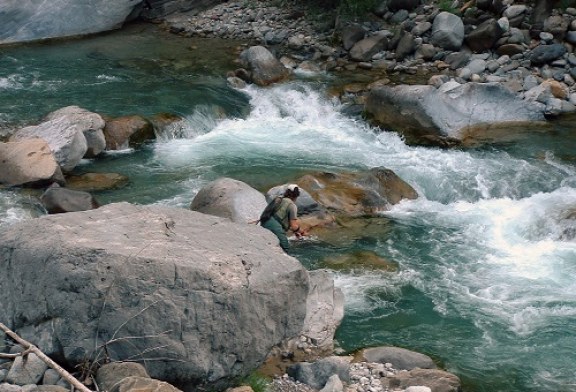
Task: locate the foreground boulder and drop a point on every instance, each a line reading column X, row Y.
column 205, row 298
column 28, row 162
column 453, row 110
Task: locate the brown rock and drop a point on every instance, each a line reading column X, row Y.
column 364, row 260
column 128, row 131
column 357, row 193
column 558, row 90
column 91, row 182
column 167, row 123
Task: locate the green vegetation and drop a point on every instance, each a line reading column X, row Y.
column 567, row 4
column 356, row 7
column 448, row 6
column 257, row 382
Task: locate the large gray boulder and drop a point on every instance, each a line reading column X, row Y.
column 264, row 68
column 454, row 110
column 64, row 131
column 28, row 162
column 28, row 20
column 447, row 31
column 230, row 199
column 197, row 299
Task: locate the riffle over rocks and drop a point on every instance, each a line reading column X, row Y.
column 205, row 297
column 32, row 20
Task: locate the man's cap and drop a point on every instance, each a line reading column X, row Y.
column 292, row 187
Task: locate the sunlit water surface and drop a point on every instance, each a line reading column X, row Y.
column 487, row 266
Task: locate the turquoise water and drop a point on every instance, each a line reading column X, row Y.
column 487, row 278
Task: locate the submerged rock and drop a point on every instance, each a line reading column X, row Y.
column 128, row 131
column 90, row 182
column 361, row 259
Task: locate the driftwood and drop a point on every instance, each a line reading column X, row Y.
column 29, row 347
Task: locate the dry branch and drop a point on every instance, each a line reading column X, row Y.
column 29, row 347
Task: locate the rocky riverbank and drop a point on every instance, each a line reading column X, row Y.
column 412, row 42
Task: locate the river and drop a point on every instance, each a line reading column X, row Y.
column 486, row 283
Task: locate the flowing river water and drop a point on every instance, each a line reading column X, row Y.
column 486, row 283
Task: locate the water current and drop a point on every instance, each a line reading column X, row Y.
column 486, row 283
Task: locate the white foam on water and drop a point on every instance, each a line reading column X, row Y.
column 11, row 82
column 15, row 207
column 510, row 260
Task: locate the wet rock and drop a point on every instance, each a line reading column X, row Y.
column 58, row 200
column 128, row 131
column 357, row 193
column 167, row 125
column 91, row 182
